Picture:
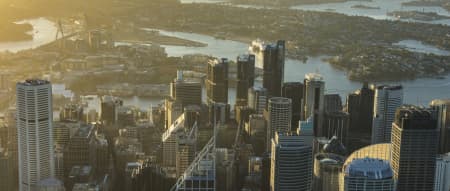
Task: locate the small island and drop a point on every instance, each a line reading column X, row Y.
column 359, row 6
column 417, row 15
column 10, row 32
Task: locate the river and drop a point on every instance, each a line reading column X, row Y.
column 44, row 31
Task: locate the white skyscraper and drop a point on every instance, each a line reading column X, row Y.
column 442, row 176
column 279, row 116
column 35, row 134
column 387, row 100
column 314, row 100
column 291, row 164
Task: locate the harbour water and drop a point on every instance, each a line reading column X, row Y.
column 44, row 31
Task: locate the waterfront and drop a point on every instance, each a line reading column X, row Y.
column 385, row 6
column 419, row 91
column 44, row 31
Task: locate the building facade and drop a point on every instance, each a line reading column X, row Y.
column 414, row 148
column 279, row 116
column 291, row 164
column 35, row 133
column 217, row 81
column 387, row 100
column 314, row 100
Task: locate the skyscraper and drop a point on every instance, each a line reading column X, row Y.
column 414, row 148
column 360, row 109
column 442, row 175
column 217, row 81
column 387, row 100
column 109, row 108
column 187, row 92
column 35, row 132
column 278, row 117
column 291, row 164
column 273, row 67
column 314, row 100
column 368, row 174
column 294, row 91
column 257, row 99
column 245, row 77
column 336, row 124
column 442, row 107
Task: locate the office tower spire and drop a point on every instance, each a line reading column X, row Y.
column 35, row 133
column 387, row 100
column 414, row 148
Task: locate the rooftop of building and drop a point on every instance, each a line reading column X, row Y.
column 245, row 57
column 313, row 77
column 280, row 100
column 50, row 182
column 84, row 131
column 218, row 61
column 330, row 159
column 414, row 117
column 437, row 102
column 33, row 82
column 390, row 87
column 80, row 171
column 370, row 168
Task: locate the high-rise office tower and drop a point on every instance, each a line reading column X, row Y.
column 256, row 130
column 217, row 81
column 5, row 177
column 273, row 67
column 314, row 100
column 109, row 109
column 291, row 164
column 332, row 103
column 169, row 142
column 387, row 100
column 220, row 112
column 10, row 119
column 336, row 124
column 360, row 109
column 185, row 152
column 306, row 131
column 442, row 109
column 245, row 77
column 35, row 132
column 278, row 117
column 185, row 91
column 442, row 175
column 294, row 91
column 414, row 148
column 327, row 170
column 174, row 109
column 257, row 99
column 368, row 174
column 77, row 150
